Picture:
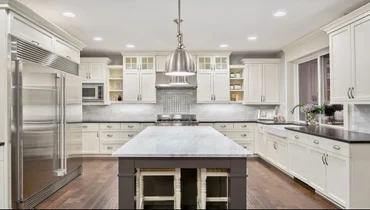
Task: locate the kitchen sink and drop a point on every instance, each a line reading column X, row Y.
column 278, row 130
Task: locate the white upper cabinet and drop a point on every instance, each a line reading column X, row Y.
column 349, row 63
column 262, row 82
column 340, row 60
column 213, row 79
column 64, row 49
column 161, row 62
column 94, row 69
column 139, row 73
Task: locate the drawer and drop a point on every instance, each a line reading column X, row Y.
column 247, row 145
column 90, row 126
column 32, row 33
column 110, row 126
column 110, row 147
column 74, row 126
column 130, row 126
column 329, row 145
column 109, row 135
column 224, row 126
column 145, row 125
column 244, row 126
column 74, row 135
column 128, row 135
column 243, row 135
column 67, row 51
column 228, row 134
column 299, row 137
column 206, row 124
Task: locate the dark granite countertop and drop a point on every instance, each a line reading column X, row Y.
column 105, row 121
column 264, row 122
column 334, row 134
column 227, row 121
column 2, row 144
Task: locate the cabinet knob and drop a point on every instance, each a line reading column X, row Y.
column 109, row 126
column 245, row 147
column 130, row 126
column 316, row 142
column 297, row 137
column 130, row 135
column 244, row 135
column 109, row 147
column 110, row 135
column 336, row 147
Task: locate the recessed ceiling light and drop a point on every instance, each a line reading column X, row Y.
column 252, row 38
column 279, row 14
column 98, row 38
column 130, row 46
column 224, row 45
column 69, row 14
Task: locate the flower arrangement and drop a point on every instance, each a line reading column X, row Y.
column 311, row 110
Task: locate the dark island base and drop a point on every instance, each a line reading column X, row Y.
column 237, row 179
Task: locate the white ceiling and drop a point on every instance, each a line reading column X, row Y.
column 148, row 24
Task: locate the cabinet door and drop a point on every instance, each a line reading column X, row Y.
column 97, row 71
column 271, row 153
column 131, row 86
column 261, row 144
column 221, row 63
column 147, row 86
column 317, row 169
column 205, row 63
column 337, row 178
column 282, row 155
column 90, row 142
column 340, row 65
column 254, row 83
column 271, row 83
column 161, row 63
column 131, row 63
column 298, row 160
column 221, row 86
column 361, row 62
column 205, row 86
column 84, row 70
column 67, row 51
column 147, row 63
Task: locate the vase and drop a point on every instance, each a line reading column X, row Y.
column 311, row 119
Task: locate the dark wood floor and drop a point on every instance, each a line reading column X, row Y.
column 268, row 188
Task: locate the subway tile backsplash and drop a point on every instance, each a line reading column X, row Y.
column 361, row 118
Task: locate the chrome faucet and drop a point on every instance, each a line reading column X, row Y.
column 299, row 105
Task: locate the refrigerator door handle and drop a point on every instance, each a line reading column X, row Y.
column 64, row 144
column 59, row 170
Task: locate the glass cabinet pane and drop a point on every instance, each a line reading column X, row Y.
column 147, row 63
column 205, row 63
column 131, row 63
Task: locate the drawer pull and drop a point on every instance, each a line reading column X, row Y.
column 336, row 147
column 69, row 57
column 110, row 135
column 244, row 135
column 223, row 126
column 109, row 126
column 245, row 147
column 244, row 126
column 297, row 137
column 84, row 126
column 130, row 135
column 109, row 147
column 316, row 142
column 224, row 134
column 130, row 126
column 35, row 42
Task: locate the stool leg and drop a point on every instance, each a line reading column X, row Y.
column 141, row 192
column 198, row 188
column 203, row 188
column 178, row 188
column 138, row 189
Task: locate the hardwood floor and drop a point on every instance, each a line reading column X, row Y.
column 268, row 188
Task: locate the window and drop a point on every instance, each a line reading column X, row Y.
column 314, row 88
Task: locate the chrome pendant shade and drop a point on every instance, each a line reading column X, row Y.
column 180, row 62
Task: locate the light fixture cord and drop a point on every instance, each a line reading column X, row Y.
column 179, row 34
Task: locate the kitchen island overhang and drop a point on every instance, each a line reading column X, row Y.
column 185, row 147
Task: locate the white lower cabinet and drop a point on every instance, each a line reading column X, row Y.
column 298, row 160
column 90, row 142
column 316, row 169
column 261, row 144
column 282, row 155
column 2, row 179
column 277, row 152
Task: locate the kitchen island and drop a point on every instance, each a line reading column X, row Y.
column 185, row 147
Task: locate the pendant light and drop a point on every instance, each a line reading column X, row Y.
column 180, row 62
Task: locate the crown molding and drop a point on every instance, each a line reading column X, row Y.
column 26, row 12
column 96, row 60
column 261, row 61
column 348, row 19
column 304, row 39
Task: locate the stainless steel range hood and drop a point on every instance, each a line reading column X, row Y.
column 177, row 82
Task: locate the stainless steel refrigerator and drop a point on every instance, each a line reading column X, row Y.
column 46, row 110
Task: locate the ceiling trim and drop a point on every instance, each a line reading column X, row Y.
column 261, row 61
column 348, row 19
column 96, row 60
column 304, row 39
column 26, row 12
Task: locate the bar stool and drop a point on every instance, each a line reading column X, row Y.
column 141, row 198
column 202, row 175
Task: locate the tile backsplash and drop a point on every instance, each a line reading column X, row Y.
column 360, row 118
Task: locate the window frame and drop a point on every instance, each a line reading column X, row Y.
column 315, row 56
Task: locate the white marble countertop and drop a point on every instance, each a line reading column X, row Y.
column 181, row 141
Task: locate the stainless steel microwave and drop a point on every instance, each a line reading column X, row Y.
column 93, row 92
